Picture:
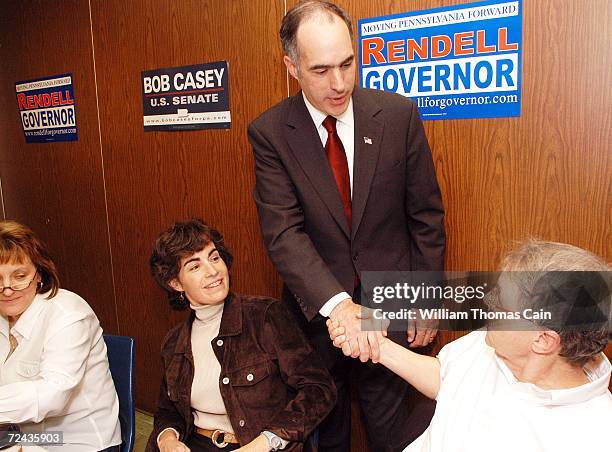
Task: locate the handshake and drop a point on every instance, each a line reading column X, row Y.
column 346, row 329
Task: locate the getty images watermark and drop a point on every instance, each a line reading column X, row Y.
column 462, row 301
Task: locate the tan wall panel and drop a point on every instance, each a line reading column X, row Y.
column 548, row 173
column 155, row 178
column 57, row 188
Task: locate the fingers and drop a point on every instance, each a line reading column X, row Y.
column 424, row 337
column 340, row 331
column 354, row 344
column 346, row 348
column 332, row 324
column 174, row 446
column 411, row 330
column 339, row 341
column 347, row 333
column 373, row 338
column 385, row 326
column 364, row 347
column 421, row 338
column 432, row 335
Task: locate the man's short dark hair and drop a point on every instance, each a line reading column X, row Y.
column 182, row 239
column 302, row 11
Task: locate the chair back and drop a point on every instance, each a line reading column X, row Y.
column 121, row 362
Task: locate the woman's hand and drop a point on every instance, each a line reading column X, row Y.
column 173, row 445
column 259, row 444
column 168, row 442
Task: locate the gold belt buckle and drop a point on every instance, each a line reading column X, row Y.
column 214, row 437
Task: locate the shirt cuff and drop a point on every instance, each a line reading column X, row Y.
column 334, row 301
column 284, row 442
column 164, row 431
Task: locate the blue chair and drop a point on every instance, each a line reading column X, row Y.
column 121, row 362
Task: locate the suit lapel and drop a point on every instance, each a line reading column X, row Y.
column 368, row 137
column 307, row 149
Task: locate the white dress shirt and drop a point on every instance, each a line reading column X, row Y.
column 481, row 407
column 58, row 378
column 345, row 127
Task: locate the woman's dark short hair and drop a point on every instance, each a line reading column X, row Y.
column 182, row 239
column 17, row 242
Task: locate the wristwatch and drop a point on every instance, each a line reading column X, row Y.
column 274, row 441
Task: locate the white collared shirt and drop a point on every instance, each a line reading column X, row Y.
column 58, row 378
column 345, row 127
column 481, row 407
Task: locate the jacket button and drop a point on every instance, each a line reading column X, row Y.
column 225, row 380
column 250, row 377
column 241, row 423
column 220, row 342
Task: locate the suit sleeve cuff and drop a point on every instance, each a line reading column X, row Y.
column 334, row 301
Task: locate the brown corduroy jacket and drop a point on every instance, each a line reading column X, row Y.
column 271, row 378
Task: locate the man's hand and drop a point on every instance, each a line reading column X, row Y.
column 346, row 314
column 338, row 337
column 358, row 343
column 169, row 443
column 421, row 332
column 259, row 444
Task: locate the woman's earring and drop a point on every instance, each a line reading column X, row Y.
column 40, row 284
column 182, row 297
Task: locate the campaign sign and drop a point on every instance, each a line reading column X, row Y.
column 455, row 62
column 186, row 98
column 47, row 110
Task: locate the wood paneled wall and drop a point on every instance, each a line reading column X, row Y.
column 100, row 201
column 155, row 178
column 57, row 188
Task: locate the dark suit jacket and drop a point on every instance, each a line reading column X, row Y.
column 398, row 217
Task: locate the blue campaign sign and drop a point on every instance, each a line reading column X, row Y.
column 455, row 62
column 47, row 110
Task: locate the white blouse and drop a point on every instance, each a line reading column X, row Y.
column 481, row 407
column 58, row 379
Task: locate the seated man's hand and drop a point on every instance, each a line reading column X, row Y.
column 421, row 332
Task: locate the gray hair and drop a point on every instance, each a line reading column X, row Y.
column 547, row 270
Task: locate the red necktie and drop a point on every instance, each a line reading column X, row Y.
column 339, row 165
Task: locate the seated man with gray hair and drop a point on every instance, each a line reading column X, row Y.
column 518, row 387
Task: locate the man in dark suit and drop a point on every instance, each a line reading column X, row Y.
column 345, row 182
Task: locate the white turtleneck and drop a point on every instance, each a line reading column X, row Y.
column 208, row 407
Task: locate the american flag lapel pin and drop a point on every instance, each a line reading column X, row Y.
column 367, row 140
